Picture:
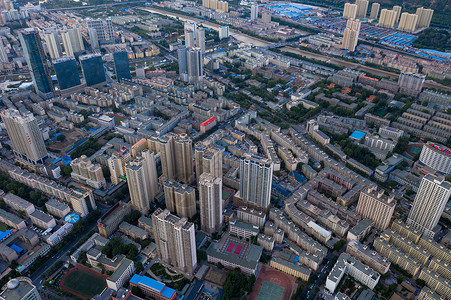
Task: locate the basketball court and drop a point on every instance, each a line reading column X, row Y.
column 235, row 248
column 270, row 291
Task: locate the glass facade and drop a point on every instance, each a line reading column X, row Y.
column 34, row 54
column 66, row 72
column 121, row 65
column 93, row 69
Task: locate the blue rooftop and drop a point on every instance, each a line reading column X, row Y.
column 357, row 135
column 16, row 248
column 167, row 292
column 153, row 284
column 4, row 234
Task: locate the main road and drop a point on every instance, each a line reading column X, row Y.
column 242, row 37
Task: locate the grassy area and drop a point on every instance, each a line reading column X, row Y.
column 4, row 227
column 84, row 283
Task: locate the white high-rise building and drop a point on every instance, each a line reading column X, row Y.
column 377, row 206
column 25, row 135
column 208, row 160
column 72, row 41
column 408, row 22
column 3, row 53
column 362, row 8
column 223, row 32
column 175, row 240
column 142, row 181
column 256, row 183
column 20, row 288
column 176, row 155
column 210, row 202
column 436, row 157
column 200, row 39
column 53, row 43
column 411, row 82
column 190, row 39
column 254, row 12
column 424, row 17
column 429, row 204
column 397, row 9
column 351, row 35
column 374, row 11
column 387, row 18
column 350, row 11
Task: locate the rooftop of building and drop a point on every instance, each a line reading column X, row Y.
column 292, row 266
column 361, row 226
column 56, row 204
column 380, row 196
column 244, row 226
column 125, row 264
column 152, row 284
column 17, row 200
column 364, row 249
column 17, row 289
column 345, row 260
column 40, row 215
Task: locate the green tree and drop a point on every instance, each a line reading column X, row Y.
column 138, row 267
column 338, row 245
column 137, row 292
column 61, row 138
column 66, row 170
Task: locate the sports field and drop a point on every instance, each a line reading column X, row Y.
column 234, row 247
column 273, row 284
column 226, row 193
column 83, row 283
column 270, row 291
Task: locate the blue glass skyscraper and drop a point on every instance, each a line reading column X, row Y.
column 121, row 65
column 66, row 72
column 93, row 71
column 34, row 54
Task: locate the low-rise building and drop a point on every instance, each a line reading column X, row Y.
column 251, row 216
column 133, row 231
column 396, row 256
column 435, row 249
column 242, row 229
column 370, row 257
column 58, row 235
column 145, row 223
column 428, row 294
column 42, row 220
column 111, row 220
column 18, row 204
column 266, row 241
column 11, row 220
column 347, row 264
column 360, row 231
column 436, row 282
column 406, row 230
column 248, row 263
column 290, row 268
column 153, row 288
column 441, row 267
column 56, row 208
column 123, row 273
